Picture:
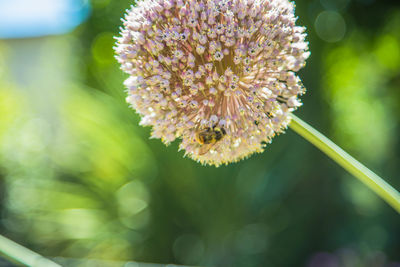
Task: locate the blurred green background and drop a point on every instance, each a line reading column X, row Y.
column 79, row 179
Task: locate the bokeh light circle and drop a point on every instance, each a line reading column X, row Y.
column 330, row 26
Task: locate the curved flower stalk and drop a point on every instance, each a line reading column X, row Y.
column 22, row 255
column 219, row 75
column 355, row 168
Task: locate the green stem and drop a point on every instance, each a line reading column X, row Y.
column 23, row 255
column 370, row 179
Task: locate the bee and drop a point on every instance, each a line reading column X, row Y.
column 208, row 137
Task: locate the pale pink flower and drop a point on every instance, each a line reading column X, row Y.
column 226, row 69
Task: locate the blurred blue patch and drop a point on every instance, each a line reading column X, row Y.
column 32, row 18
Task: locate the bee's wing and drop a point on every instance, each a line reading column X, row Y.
column 203, row 149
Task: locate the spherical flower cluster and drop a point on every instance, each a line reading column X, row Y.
column 217, row 74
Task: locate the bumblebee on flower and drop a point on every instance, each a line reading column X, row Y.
column 213, row 67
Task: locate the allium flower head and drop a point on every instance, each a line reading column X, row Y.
column 217, row 74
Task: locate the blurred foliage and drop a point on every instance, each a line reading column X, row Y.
column 80, row 179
